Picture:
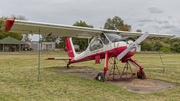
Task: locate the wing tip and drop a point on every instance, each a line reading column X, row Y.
column 8, row 24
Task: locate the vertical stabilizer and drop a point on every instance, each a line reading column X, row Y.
column 70, row 48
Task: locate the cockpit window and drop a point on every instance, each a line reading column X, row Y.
column 97, row 44
column 104, row 39
column 113, row 37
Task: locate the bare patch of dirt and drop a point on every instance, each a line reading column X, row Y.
column 143, row 83
column 137, row 85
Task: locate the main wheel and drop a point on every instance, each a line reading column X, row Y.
column 101, row 77
column 140, row 76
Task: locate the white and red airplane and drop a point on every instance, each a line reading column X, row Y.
column 105, row 44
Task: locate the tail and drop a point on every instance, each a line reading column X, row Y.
column 70, row 48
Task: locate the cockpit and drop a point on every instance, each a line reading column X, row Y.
column 112, row 37
column 104, row 38
column 107, row 38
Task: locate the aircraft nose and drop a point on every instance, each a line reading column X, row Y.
column 130, row 41
column 120, row 46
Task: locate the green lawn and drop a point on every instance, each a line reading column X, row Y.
column 18, row 80
column 35, row 52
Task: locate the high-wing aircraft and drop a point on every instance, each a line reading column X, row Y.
column 104, row 45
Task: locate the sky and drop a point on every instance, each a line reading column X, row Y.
column 154, row 16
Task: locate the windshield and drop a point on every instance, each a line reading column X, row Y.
column 113, row 37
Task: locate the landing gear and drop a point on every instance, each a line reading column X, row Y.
column 68, row 66
column 100, row 77
column 142, row 75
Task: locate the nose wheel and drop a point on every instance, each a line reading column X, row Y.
column 142, row 75
column 100, row 77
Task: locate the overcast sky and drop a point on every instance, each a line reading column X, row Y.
column 154, row 16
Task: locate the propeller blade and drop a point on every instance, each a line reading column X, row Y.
column 134, row 45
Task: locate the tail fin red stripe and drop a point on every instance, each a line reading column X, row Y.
column 70, row 47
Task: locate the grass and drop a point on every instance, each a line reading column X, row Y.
column 18, row 80
column 35, row 52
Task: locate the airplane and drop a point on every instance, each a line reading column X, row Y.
column 104, row 45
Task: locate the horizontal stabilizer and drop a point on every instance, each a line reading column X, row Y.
column 59, row 58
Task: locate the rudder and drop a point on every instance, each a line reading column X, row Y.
column 70, row 47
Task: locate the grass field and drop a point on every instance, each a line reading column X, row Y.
column 19, row 73
column 35, row 52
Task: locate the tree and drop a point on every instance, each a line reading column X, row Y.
column 174, row 44
column 26, row 38
column 18, row 17
column 82, row 24
column 138, row 30
column 62, row 43
column 166, row 49
column 116, row 23
column 46, row 38
column 82, row 42
column 151, row 46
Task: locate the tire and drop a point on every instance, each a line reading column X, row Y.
column 140, row 76
column 101, row 77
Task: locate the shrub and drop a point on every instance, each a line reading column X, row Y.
column 166, row 49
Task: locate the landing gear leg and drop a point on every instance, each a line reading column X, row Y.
column 101, row 76
column 140, row 73
column 68, row 66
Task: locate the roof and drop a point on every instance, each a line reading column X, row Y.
column 10, row 40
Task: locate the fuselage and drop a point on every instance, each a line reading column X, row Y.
column 113, row 48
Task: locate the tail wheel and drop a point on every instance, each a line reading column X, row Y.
column 141, row 75
column 100, row 77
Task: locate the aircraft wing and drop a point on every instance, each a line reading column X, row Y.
column 30, row 27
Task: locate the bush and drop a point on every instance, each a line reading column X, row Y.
column 166, row 49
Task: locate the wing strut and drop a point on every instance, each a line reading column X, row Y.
column 39, row 57
column 160, row 57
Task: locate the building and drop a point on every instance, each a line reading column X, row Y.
column 10, row 44
column 138, row 49
column 48, row 46
column 44, row 46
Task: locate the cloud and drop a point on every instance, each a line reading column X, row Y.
column 168, row 26
column 169, row 17
column 141, row 24
column 155, row 26
column 155, row 10
column 174, row 31
column 146, row 20
column 171, row 29
column 161, row 21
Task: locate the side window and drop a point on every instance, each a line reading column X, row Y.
column 104, row 39
column 97, row 44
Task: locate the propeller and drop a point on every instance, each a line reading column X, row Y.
column 133, row 45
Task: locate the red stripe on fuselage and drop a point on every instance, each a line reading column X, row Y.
column 117, row 51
